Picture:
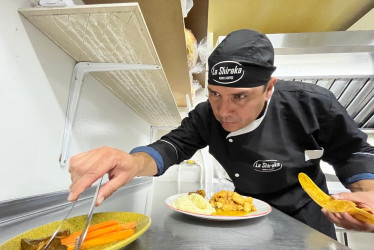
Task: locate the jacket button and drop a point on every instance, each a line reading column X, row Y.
column 231, row 140
column 236, row 175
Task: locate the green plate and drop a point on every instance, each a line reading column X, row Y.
column 77, row 223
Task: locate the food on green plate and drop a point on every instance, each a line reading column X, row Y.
column 102, row 233
column 97, row 235
column 36, row 244
column 194, row 203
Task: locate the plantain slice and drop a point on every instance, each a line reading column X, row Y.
column 322, row 199
column 362, row 214
column 335, row 206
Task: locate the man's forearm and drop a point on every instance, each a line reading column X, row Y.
column 362, row 186
column 147, row 165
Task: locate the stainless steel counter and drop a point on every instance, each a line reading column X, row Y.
column 173, row 230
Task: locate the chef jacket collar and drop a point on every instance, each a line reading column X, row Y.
column 252, row 126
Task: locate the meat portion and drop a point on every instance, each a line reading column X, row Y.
column 38, row 244
column 200, row 192
column 232, row 201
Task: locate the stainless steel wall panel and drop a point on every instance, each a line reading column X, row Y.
column 342, row 62
column 366, row 110
column 351, row 91
column 359, row 101
column 370, row 122
column 323, row 42
column 338, row 86
column 326, row 83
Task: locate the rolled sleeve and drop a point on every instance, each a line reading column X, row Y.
column 358, row 177
column 154, row 154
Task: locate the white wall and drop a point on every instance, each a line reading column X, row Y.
column 34, row 87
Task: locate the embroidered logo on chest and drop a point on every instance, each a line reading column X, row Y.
column 267, row 165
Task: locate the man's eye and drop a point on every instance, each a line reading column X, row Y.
column 214, row 93
column 241, row 96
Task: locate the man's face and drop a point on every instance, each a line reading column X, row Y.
column 235, row 108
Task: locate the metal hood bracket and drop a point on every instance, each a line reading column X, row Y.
column 80, row 70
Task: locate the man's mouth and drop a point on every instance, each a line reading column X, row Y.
column 227, row 123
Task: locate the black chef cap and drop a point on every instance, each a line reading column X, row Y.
column 244, row 59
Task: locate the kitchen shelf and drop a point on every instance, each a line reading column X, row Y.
column 113, row 33
column 165, row 22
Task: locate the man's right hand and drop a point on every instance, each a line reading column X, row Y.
column 121, row 167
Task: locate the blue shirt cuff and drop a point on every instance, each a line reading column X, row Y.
column 359, row 177
column 154, row 154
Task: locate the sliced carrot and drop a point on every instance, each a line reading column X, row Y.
column 129, row 225
column 108, row 238
column 103, row 224
column 105, row 239
column 110, row 229
column 92, row 233
column 71, row 238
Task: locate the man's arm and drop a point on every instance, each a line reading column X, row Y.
column 363, row 186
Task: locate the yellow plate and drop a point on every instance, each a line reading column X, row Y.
column 77, row 223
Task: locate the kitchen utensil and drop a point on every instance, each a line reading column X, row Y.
column 62, row 222
column 80, row 239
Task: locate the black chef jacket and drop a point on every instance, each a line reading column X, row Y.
column 302, row 124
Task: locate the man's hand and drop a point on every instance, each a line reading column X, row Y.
column 362, row 200
column 121, row 167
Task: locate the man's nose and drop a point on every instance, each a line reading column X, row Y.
column 225, row 107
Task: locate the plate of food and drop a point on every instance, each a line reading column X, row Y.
column 223, row 206
column 108, row 230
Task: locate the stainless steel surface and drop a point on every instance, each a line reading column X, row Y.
column 81, row 237
column 173, row 230
column 323, row 42
column 356, row 95
column 33, row 212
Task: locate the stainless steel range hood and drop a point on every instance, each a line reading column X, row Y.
column 341, row 61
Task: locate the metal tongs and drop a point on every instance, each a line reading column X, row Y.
column 58, row 228
column 80, row 239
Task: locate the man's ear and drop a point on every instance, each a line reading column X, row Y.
column 270, row 86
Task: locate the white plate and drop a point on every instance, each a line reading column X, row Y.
column 262, row 209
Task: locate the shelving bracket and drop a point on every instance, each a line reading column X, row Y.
column 80, row 70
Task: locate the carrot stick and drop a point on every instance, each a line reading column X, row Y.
column 71, row 238
column 110, row 229
column 105, row 239
column 103, row 224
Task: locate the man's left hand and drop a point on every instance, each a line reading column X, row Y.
column 345, row 220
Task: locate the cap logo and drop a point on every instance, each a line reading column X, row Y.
column 227, row 72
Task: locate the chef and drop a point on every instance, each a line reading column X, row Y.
column 263, row 131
